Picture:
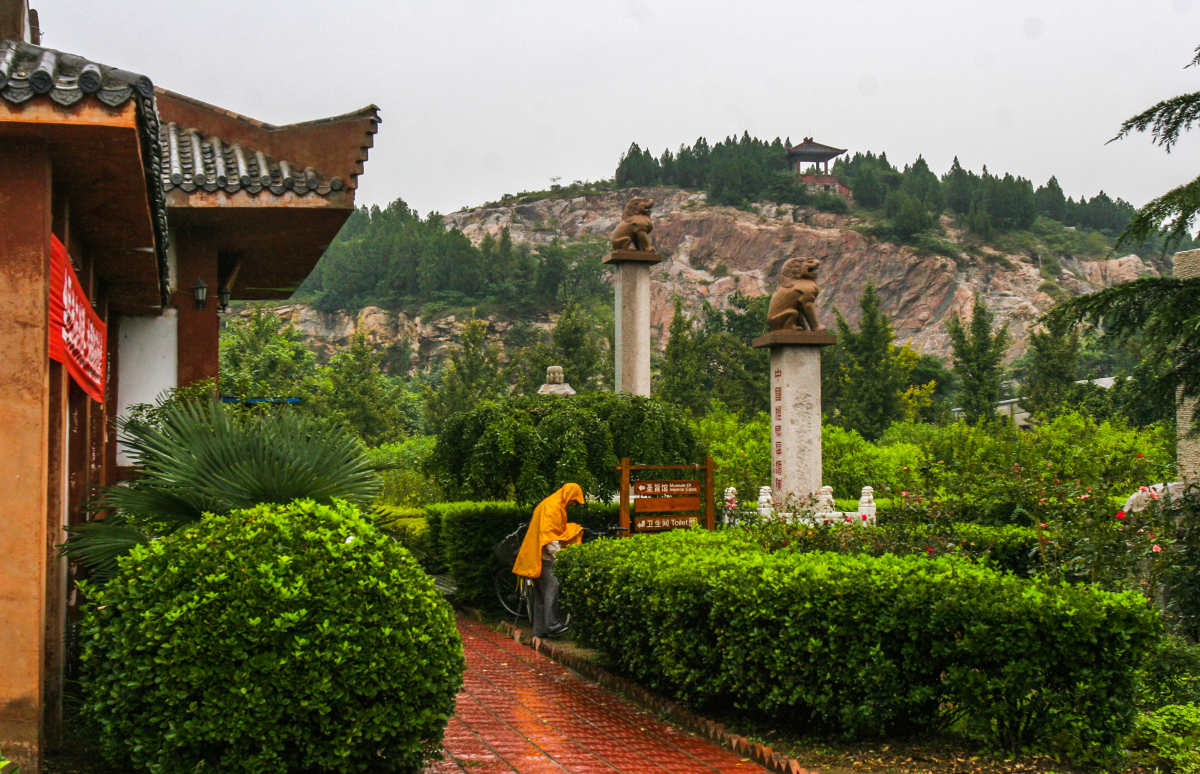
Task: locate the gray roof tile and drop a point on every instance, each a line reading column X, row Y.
column 191, row 161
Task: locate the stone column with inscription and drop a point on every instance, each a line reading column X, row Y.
column 795, row 412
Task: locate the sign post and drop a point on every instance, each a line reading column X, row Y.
column 665, row 505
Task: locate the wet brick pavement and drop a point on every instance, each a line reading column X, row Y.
column 521, row 712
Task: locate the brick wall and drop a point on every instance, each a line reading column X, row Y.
column 1187, row 266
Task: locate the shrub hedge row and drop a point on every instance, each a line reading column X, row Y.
column 867, row 645
column 460, row 537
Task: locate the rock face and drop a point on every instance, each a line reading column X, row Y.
column 409, row 343
column 713, row 252
column 716, row 251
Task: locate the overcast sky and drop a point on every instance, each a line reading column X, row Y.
column 481, row 98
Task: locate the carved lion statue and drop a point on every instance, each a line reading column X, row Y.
column 635, row 228
column 794, row 305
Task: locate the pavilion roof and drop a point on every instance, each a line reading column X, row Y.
column 813, row 151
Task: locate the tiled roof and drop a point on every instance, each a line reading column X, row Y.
column 28, row 71
column 231, row 167
column 808, row 147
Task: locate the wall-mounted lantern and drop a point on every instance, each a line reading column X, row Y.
column 200, row 291
column 223, row 297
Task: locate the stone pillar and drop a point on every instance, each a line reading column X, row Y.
column 795, row 412
column 25, row 221
column 1187, row 454
column 632, row 312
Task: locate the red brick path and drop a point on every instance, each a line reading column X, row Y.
column 519, row 711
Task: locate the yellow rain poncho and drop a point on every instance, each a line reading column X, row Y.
column 549, row 523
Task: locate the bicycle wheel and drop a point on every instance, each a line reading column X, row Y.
column 508, row 594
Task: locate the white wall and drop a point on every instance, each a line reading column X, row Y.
column 146, row 361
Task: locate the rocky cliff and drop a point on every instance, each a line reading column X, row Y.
column 712, row 252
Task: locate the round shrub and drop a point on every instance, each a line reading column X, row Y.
column 284, row 638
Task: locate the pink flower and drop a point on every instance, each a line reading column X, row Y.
column 904, row 494
column 1156, row 549
column 929, row 549
column 1140, row 456
column 864, row 517
column 1143, row 489
column 847, row 519
column 1084, row 496
column 1120, row 515
column 1043, row 526
column 1153, row 495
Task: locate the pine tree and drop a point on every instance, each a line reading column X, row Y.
column 960, row 188
column 978, row 361
column 358, row 394
column 872, row 378
column 912, row 218
column 1050, row 200
column 473, row 372
column 867, row 189
column 1051, row 375
column 679, row 377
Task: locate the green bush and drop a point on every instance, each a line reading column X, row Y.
column 526, row 448
column 273, row 639
column 1170, row 674
column 405, row 483
column 849, row 462
column 461, row 536
column 868, row 645
column 1169, row 738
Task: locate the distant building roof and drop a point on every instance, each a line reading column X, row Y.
column 813, row 151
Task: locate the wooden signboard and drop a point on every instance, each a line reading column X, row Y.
column 663, row 505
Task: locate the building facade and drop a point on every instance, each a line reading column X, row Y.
column 121, row 204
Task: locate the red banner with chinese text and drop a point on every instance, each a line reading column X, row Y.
column 78, row 338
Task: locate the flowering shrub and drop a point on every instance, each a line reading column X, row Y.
column 869, row 645
column 997, row 474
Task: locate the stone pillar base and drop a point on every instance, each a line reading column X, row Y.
column 795, row 413
column 632, row 312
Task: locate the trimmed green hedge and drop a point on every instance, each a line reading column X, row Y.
column 868, row 645
column 290, row 638
column 460, row 537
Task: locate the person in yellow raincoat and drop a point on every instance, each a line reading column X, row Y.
column 548, row 532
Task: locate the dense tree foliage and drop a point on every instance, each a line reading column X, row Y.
column 473, row 372
column 524, row 448
column 714, row 360
column 979, row 351
column 579, row 343
column 1051, row 372
column 393, row 255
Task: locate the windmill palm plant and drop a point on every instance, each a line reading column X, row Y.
column 201, row 458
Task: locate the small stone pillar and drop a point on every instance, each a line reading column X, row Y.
column 554, row 383
column 1187, row 453
column 795, row 412
column 632, row 312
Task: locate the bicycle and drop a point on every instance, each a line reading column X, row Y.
column 514, row 592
